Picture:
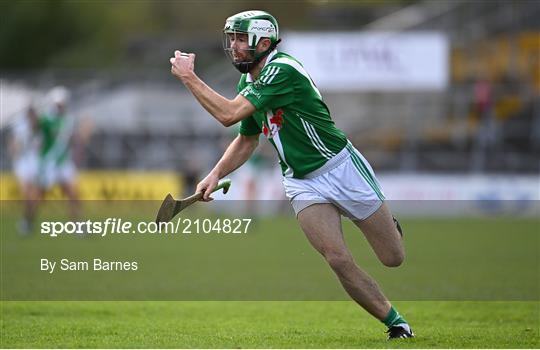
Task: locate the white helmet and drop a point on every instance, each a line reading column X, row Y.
column 257, row 25
column 59, row 95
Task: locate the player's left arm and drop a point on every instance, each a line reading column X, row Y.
column 227, row 112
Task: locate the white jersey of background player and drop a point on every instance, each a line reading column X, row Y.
column 25, row 143
column 24, row 148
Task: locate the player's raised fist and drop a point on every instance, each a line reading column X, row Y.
column 182, row 64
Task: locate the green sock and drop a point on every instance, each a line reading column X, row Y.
column 393, row 318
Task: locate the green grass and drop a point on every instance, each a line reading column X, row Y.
column 466, row 283
column 447, row 259
column 263, row 325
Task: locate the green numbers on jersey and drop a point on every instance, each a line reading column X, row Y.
column 292, row 115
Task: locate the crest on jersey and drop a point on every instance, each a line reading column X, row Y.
column 276, row 123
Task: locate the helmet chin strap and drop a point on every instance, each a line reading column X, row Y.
column 245, row 67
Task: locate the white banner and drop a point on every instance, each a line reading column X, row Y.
column 359, row 61
column 462, row 195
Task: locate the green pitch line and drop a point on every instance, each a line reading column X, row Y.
column 263, row 325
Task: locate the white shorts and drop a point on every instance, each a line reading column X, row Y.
column 52, row 173
column 26, row 169
column 347, row 181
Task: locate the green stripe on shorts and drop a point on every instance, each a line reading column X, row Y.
column 364, row 171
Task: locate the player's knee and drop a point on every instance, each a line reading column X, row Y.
column 393, row 260
column 338, row 261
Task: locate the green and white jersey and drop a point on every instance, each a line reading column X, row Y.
column 56, row 132
column 292, row 115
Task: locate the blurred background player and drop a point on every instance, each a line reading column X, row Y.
column 58, row 134
column 24, row 148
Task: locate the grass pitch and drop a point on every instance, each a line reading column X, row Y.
column 264, row 325
column 466, row 283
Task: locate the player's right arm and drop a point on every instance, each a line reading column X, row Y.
column 236, row 154
column 227, row 112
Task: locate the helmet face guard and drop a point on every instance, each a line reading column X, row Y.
column 248, row 62
column 256, row 25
